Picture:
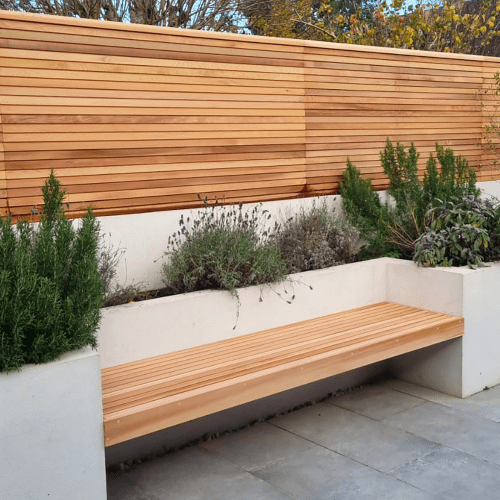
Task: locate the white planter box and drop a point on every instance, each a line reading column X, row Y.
column 464, row 366
column 461, row 367
column 51, row 431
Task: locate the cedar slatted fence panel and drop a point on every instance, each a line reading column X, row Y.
column 356, row 97
column 137, row 118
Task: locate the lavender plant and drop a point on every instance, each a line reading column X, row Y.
column 223, row 248
column 315, row 238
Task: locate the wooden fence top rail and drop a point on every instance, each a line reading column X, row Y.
column 293, row 44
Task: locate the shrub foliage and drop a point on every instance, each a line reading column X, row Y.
column 463, row 232
column 114, row 293
column 391, row 229
column 223, row 248
column 315, row 239
column 50, row 286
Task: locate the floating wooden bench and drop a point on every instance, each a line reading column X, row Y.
column 156, row 393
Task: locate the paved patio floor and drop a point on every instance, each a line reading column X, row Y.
column 389, row 441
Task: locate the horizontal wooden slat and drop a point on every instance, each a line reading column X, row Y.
column 160, row 379
column 148, row 395
column 119, row 376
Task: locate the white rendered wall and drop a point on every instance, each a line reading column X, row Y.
column 51, row 431
column 490, row 189
column 135, row 331
column 481, row 342
column 437, row 289
column 464, row 366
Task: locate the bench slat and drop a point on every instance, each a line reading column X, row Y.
column 156, row 389
column 321, row 335
column 211, row 358
column 330, row 331
column 208, row 354
column 326, row 340
column 142, row 397
column 283, row 332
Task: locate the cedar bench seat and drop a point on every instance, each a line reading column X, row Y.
column 160, row 392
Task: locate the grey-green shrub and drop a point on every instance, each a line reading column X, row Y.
column 114, row 293
column 463, row 232
column 314, row 239
column 223, row 248
column 50, row 286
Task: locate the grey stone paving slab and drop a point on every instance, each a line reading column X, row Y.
column 196, row 474
column 307, row 470
column 258, row 446
column 326, row 452
column 376, row 402
column 120, row 487
column 469, row 433
column 453, row 475
column 485, row 403
column 321, row 474
column 360, row 438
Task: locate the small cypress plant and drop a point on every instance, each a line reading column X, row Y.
column 360, row 201
column 454, row 180
column 50, row 286
column 367, row 213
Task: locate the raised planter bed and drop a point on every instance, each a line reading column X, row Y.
column 51, row 430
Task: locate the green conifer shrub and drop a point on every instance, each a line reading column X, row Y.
column 50, row 286
column 391, row 229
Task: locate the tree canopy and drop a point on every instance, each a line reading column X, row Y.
column 446, row 26
column 215, row 15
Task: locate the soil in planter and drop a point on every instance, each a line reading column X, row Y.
column 128, row 295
